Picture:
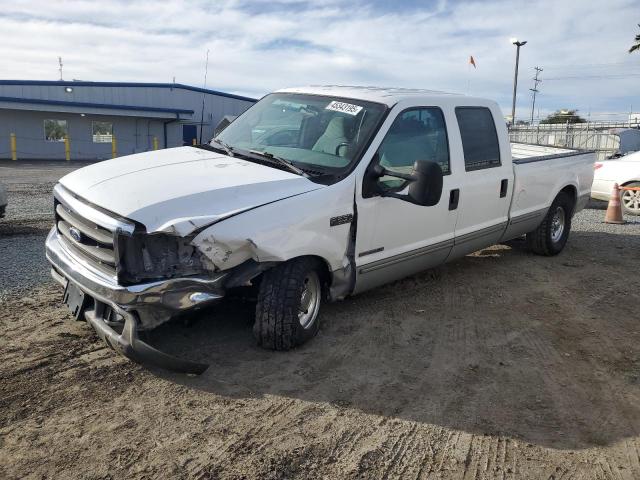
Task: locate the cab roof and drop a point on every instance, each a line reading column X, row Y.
column 387, row 96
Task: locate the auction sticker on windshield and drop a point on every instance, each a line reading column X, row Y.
column 344, row 108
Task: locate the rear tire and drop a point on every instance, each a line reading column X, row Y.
column 288, row 304
column 551, row 235
column 630, row 199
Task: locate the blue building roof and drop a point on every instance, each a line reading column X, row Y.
column 63, row 83
column 106, row 106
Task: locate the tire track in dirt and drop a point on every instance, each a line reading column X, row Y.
column 404, row 382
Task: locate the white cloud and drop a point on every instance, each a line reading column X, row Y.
column 258, row 46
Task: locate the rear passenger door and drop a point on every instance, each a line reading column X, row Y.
column 485, row 191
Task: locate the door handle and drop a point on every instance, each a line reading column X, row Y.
column 454, row 198
column 504, row 186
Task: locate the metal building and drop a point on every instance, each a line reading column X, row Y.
column 80, row 120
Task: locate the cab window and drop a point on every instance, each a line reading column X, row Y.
column 479, row 138
column 416, row 134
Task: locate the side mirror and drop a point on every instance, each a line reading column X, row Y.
column 426, row 189
column 425, row 183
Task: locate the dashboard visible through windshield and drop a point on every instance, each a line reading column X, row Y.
column 313, row 132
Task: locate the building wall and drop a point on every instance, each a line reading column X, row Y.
column 132, row 135
column 134, row 130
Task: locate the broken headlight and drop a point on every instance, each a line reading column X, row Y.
column 146, row 257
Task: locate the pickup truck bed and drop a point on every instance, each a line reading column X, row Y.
column 540, row 172
column 529, row 152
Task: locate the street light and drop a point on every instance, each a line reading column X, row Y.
column 515, row 78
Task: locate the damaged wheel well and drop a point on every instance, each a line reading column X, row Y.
column 325, row 271
column 252, row 271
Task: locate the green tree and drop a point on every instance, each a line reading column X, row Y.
column 636, row 46
column 564, row 116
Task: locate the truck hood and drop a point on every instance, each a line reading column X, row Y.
column 179, row 190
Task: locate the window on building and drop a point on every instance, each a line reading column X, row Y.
column 55, row 130
column 479, row 138
column 102, row 132
column 416, row 134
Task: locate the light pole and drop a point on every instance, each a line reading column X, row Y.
column 515, row 78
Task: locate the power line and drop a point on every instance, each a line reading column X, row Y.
column 614, row 75
column 591, row 65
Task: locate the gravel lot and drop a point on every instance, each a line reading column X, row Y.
column 28, row 218
column 499, row 365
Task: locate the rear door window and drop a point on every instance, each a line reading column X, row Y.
column 479, row 138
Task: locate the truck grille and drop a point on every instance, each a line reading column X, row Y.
column 87, row 232
column 87, row 240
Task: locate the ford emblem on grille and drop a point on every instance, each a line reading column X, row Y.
column 75, row 234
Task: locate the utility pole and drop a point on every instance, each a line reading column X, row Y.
column 535, row 90
column 204, row 86
column 60, row 67
column 515, row 78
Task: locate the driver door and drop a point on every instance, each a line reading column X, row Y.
column 396, row 238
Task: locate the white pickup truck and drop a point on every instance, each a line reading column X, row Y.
column 312, row 194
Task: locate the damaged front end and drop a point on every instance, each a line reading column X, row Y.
column 122, row 280
column 118, row 312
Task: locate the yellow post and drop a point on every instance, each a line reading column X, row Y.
column 14, row 150
column 114, row 147
column 193, row 141
column 67, row 148
column 155, row 143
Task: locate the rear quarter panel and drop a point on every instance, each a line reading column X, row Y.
column 537, row 183
column 621, row 171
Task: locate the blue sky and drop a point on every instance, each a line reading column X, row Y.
column 257, row 46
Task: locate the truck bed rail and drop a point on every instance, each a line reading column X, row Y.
column 528, row 152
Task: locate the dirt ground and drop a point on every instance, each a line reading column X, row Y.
column 500, row 365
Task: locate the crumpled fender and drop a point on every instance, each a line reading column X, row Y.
column 286, row 229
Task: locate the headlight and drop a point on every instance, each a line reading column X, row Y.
column 145, row 257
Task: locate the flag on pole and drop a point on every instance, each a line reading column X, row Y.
column 472, row 61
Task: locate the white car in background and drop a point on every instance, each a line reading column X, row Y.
column 3, row 200
column 625, row 171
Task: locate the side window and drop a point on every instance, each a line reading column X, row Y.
column 55, row 130
column 416, row 134
column 102, row 132
column 479, row 138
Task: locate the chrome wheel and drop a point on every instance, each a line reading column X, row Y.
column 557, row 224
column 310, row 300
column 631, row 200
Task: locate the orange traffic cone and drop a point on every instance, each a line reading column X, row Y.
column 614, row 209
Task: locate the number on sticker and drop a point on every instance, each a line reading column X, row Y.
column 343, row 107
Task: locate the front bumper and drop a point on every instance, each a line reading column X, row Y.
column 156, row 300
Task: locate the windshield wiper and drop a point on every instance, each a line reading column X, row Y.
column 227, row 148
column 282, row 161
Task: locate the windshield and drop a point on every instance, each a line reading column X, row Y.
column 311, row 131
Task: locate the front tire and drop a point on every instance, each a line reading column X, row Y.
column 288, row 304
column 630, row 199
column 551, row 235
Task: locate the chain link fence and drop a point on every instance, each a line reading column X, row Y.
column 600, row 137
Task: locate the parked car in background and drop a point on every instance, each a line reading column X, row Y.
column 625, row 171
column 3, row 200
